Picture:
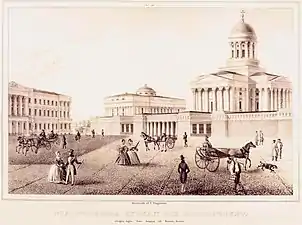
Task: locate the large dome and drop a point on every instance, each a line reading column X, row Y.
column 243, row 30
column 145, row 90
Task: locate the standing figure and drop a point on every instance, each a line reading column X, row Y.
column 235, row 170
column 261, row 138
column 183, row 170
column 280, row 147
column 185, row 138
column 93, row 133
column 163, row 140
column 64, row 141
column 134, row 160
column 57, row 171
column 274, row 151
column 71, row 169
column 103, row 133
column 257, row 138
column 123, row 157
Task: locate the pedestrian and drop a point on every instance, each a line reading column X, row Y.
column 163, row 140
column 185, row 138
column 93, row 133
column 261, row 137
column 103, row 133
column 70, row 167
column 257, row 138
column 280, row 147
column 183, row 170
column 235, row 170
column 274, row 151
column 64, row 141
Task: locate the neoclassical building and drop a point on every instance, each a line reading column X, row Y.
column 31, row 110
column 233, row 102
column 122, row 109
column 242, row 85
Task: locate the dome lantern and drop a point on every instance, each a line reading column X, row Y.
column 146, row 91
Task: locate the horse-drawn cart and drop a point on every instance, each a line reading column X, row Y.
column 207, row 157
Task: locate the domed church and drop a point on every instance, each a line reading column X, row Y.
column 242, row 85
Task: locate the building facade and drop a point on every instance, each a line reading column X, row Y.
column 31, row 110
column 233, row 102
column 242, row 85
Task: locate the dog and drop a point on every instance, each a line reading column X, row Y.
column 268, row 166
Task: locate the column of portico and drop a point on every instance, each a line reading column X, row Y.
column 206, row 100
column 26, row 106
column 243, row 99
column 26, row 127
column 170, row 126
column 14, row 105
column 287, row 98
column 279, row 98
column 235, row 94
column 271, row 102
column 20, row 106
column 194, row 99
column 260, row 99
column 9, row 105
column 220, row 99
column 231, row 99
column 214, row 99
column 265, row 100
column 198, row 104
column 247, row 101
column 226, row 98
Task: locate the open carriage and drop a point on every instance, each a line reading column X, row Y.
column 207, row 157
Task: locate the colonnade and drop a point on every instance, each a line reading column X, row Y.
column 235, row 99
column 158, row 128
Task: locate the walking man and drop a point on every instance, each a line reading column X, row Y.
column 183, row 170
column 103, row 133
column 185, row 138
column 274, row 151
column 280, row 147
column 261, row 137
column 93, row 133
column 64, row 141
column 164, row 139
column 257, row 138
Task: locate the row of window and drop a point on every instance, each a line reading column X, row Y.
column 45, row 102
column 36, row 112
column 201, row 129
column 127, row 128
column 35, row 126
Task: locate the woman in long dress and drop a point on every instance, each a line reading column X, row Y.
column 57, row 171
column 71, row 169
column 132, row 153
column 183, row 170
column 123, row 157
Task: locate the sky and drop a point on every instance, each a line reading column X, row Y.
column 91, row 53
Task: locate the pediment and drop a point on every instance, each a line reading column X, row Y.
column 210, row 79
column 281, row 79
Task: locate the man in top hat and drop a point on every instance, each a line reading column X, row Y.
column 183, row 170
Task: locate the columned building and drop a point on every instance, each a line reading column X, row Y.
column 241, row 94
column 31, row 110
column 242, row 85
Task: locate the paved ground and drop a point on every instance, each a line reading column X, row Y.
column 157, row 175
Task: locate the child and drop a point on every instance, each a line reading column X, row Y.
column 183, row 170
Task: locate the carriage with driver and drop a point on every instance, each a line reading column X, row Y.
column 207, row 157
column 168, row 139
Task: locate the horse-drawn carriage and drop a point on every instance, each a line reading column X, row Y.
column 168, row 139
column 54, row 139
column 207, row 157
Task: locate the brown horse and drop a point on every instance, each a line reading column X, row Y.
column 241, row 153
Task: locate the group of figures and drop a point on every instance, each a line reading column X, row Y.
column 127, row 154
column 35, row 142
column 61, row 171
column 277, row 147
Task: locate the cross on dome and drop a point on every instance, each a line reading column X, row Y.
column 242, row 15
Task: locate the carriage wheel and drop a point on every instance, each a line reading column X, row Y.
column 213, row 162
column 47, row 145
column 170, row 143
column 200, row 160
